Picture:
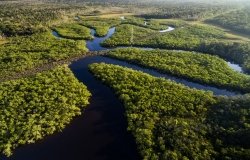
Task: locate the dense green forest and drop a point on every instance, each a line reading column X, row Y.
column 170, row 121
column 25, row 19
column 32, row 108
column 26, row 52
column 195, row 37
column 101, row 25
column 238, row 20
column 182, row 37
column 73, row 31
column 189, row 11
column 147, row 23
column 199, row 67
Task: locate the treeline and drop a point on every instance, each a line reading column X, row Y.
column 190, row 37
column 17, row 19
column 188, row 11
column 147, row 23
column 198, row 67
column 32, row 108
column 183, row 37
column 24, row 18
column 102, row 25
column 171, row 121
column 238, row 20
column 22, row 53
column 229, row 127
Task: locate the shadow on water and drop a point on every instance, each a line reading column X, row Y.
column 99, row 134
column 215, row 90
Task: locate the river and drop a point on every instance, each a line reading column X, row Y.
column 100, row 133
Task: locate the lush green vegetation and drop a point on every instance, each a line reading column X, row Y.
column 26, row 18
column 20, row 19
column 34, row 107
column 196, row 66
column 200, row 38
column 150, row 23
column 229, row 127
column 238, row 20
column 188, row 37
column 170, row 121
column 125, row 33
column 238, row 52
column 188, row 11
column 101, row 25
column 27, row 52
column 73, row 31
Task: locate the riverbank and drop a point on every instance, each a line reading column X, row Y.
column 49, row 66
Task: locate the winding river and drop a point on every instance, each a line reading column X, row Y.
column 101, row 131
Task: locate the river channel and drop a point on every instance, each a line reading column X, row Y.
column 100, row 133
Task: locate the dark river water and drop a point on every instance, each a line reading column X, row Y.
column 100, row 133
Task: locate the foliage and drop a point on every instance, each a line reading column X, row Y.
column 190, row 37
column 34, row 107
column 147, row 23
column 21, row 20
column 188, row 11
column 73, row 31
column 26, row 18
column 171, row 121
column 238, row 52
column 238, row 20
column 155, row 109
column 230, row 127
column 101, row 25
column 27, row 52
column 123, row 34
column 196, row 66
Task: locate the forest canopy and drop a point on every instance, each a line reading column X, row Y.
column 32, row 108
column 196, row 66
column 171, row 121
